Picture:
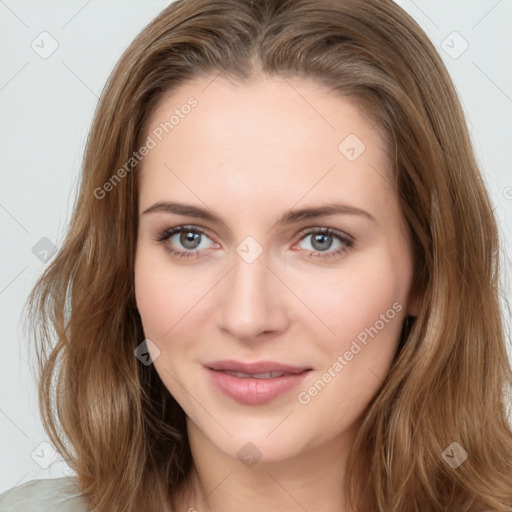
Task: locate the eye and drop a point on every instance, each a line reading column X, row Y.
column 188, row 237
column 322, row 240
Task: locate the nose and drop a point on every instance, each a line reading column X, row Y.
column 253, row 300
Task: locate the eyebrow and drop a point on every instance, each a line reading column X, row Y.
column 287, row 218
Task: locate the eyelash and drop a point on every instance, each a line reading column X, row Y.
column 346, row 240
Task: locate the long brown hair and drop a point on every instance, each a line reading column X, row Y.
column 110, row 416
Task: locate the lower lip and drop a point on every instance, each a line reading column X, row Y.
column 251, row 391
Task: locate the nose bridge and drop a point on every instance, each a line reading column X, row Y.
column 251, row 302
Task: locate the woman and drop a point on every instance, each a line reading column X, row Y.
column 279, row 289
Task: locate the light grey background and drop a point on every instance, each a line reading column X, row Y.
column 46, row 107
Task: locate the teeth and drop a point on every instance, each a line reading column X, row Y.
column 268, row 375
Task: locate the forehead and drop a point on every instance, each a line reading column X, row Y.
column 274, row 139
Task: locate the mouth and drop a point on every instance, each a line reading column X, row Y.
column 263, row 368
column 268, row 375
column 255, row 383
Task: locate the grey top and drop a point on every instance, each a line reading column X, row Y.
column 50, row 495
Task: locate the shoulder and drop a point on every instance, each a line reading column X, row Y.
column 50, row 495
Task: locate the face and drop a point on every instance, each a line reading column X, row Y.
column 324, row 291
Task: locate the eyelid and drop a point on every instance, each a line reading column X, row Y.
column 343, row 237
column 167, row 233
column 323, row 229
column 302, row 233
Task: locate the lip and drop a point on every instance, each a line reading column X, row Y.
column 258, row 367
column 252, row 391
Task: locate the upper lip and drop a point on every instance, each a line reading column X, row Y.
column 258, row 367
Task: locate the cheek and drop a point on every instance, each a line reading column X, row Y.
column 352, row 299
column 163, row 304
column 365, row 309
column 163, row 292
column 156, row 294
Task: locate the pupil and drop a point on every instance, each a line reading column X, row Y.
column 322, row 237
column 190, row 240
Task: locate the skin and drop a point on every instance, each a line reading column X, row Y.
column 251, row 153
